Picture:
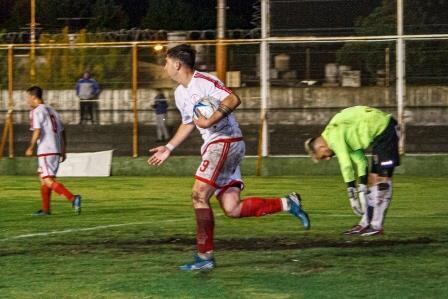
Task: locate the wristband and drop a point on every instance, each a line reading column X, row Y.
column 170, row 147
column 351, row 184
column 224, row 109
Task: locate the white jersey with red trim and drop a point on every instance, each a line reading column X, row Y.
column 205, row 85
column 46, row 119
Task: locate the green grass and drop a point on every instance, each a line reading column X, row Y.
column 135, row 231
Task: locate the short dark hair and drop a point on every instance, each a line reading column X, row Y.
column 35, row 91
column 185, row 53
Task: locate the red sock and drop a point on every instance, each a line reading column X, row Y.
column 60, row 189
column 204, row 230
column 45, row 193
column 257, row 206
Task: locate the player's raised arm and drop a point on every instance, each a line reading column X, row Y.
column 161, row 153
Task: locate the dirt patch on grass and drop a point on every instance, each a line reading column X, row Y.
column 187, row 244
column 249, row 244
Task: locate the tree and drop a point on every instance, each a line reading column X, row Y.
column 425, row 60
column 107, row 15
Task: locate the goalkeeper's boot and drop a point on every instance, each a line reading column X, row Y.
column 295, row 208
column 41, row 213
column 199, row 264
column 76, row 204
column 355, row 230
column 372, row 232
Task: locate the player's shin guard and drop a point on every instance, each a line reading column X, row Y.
column 256, row 206
column 205, row 225
column 61, row 190
column 45, row 193
column 382, row 201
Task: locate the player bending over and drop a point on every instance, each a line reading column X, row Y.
column 348, row 134
column 222, row 152
column 49, row 136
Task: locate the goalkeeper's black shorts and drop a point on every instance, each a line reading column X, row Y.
column 385, row 154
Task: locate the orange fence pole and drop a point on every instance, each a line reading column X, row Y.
column 8, row 130
column 134, row 100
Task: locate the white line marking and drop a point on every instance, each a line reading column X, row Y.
column 58, row 232
column 73, row 230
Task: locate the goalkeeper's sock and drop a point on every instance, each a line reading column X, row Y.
column 61, row 190
column 205, row 225
column 370, row 203
column 45, row 193
column 382, row 201
column 257, row 206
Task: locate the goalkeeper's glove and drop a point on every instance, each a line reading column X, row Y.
column 354, row 202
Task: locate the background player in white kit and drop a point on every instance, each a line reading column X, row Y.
column 223, row 150
column 49, row 136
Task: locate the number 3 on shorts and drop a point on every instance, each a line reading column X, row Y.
column 204, row 165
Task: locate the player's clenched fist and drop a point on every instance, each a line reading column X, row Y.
column 161, row 153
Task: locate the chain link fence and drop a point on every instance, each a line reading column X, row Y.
column 312, row 75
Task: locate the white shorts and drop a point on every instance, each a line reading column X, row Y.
column 48, row 165
column 220, row 166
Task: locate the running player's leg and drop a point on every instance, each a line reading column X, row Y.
column 229, row 180
column 204, row 187
column 234, row 207
column 59, row 188
column 205, row 223
column 45, row 193
column 49, row 166
column 249, row 207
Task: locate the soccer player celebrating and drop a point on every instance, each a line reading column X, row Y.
column 49, row 136
column 347, row 135
column 222, row 152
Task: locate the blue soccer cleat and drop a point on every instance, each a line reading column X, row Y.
column 76, row 204
column 199, row 264
column 295, row 208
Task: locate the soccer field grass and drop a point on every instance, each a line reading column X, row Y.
column 135, row 231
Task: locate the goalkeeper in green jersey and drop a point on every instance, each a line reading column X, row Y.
column 348, row 134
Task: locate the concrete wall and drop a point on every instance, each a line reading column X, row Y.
column 436, row 166
column 425, row 105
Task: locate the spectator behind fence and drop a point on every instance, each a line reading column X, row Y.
column 160, row 107
column 87, row 90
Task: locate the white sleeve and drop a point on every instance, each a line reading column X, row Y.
column 217, row 90
column 187, row 116
column 37, row 119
